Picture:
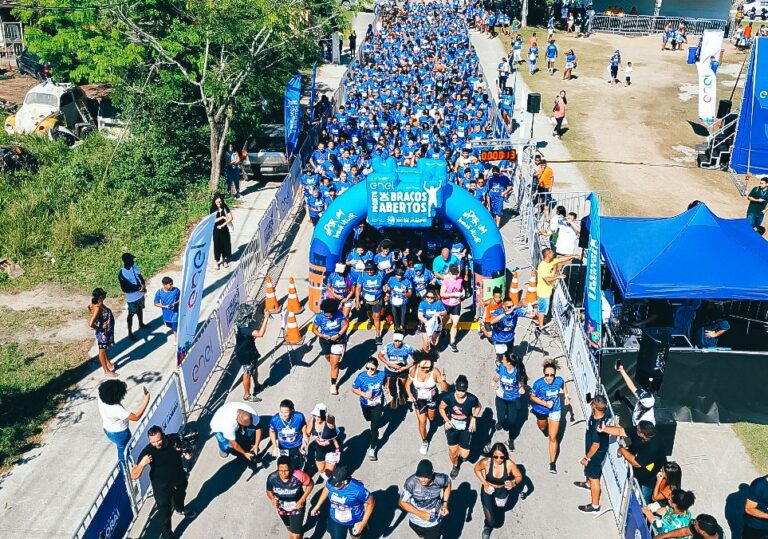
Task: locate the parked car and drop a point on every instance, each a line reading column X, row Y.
column 265, row 153
column 756, row 10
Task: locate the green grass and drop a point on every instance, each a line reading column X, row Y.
column 12, row 321
column 755, row 440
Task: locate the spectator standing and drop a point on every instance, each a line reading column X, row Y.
column 114, row 417
column 353, row 43
column 247, row 355
column 503, row 71
column 756, row 510
column 222, row 240
column 558, row 112
column 103, row 322
column 596, row 446
column 133, row 286
column 166, row 473
column 232, row 169
column 758, row 199
column 551, row 52
column 643, row 409
column 546, row 277
column 570, row 64
column 167, row 298
column 614, row 64
column 517, row 50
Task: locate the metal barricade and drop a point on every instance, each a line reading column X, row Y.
column 111, row 512
column 643, row 25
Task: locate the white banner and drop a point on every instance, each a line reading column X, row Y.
column 226, row 310
column 712, row 42
column 284, row 198
column 268, row 228
column 167, row 414
column 193, row 270
column 200, row 361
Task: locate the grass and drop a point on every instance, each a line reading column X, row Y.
column 34, row 377
column 13, row 322
column 755, row 440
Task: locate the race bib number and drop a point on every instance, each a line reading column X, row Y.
column 332, row 458
column 343, row 514
column 288, row 506
column 459, row 424
column 500, row 502
column 499, row 391
column 288, row 434
column 423, row 292
column 385, row 264
column 424, row 394
column 397, row 301
column 374, row 401
column 337, row 349
column 360, row 265
column 369, row 297
column 349, row 303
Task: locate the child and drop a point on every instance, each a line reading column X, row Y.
column 533, row 55
column 628, row 73
column 167, row 298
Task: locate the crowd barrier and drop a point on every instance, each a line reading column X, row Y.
column 643, row 25
column 112, row 513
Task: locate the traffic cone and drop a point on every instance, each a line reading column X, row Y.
column 530, row 293
column 270, row 303
column 514, row 290
column 292, row 333
column 293, row 305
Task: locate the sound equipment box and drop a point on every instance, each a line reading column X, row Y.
column 534, row 103
column 723, row 108
column 652, row 358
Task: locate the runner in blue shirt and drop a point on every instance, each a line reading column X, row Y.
column 441, row 264
column 510, row 380
column 383, row 258
column 395, row 357
column 356, row 260
column 551, row 56
column 421, row 278
column 369, row 386
column 432, row 315
column 351, row 504
column 339, row 287
column 167, row 299
column 330, row 326
column 287, row 432
column 370, row 285
column 315, row 206
column 399, row 289
column 499, row 187
column 547, row 407
column 504, row 322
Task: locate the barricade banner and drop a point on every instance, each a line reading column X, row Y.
column 268, row 227
column 114, row 516
column 284, row 198
column 292, row 113
column 167, row 413
column 616, row 478
column 226, row 309
column 563, row 313
column 201, row 360
column 635, row 526
column 593, row 309
column 580, row 363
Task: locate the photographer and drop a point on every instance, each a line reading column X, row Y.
column 236, row 428
column 245, row 349
column 643, row 408
column 169, row 482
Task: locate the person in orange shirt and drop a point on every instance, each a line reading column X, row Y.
column 546, row 182
column 488, row 308
column 533, row 42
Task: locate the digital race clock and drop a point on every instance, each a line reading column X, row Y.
column 498, row 155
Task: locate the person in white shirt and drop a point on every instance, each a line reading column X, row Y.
column 568, row 235
column 643, row 409
column 236, row 428
column 114, row 417
column 133, row 286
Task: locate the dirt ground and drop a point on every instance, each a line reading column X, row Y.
column 638, row 142
column 15, row 88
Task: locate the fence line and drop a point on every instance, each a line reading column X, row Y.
column 644, row 25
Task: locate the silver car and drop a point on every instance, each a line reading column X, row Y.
column 265, row 153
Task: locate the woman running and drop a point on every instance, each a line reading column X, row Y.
column 451, row 293
column 498, row 475
column 422, row 389
column 510, row 381
column 323, row 440
column 547, row 407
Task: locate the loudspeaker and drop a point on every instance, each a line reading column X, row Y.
column 652, row 358
column 723, row 108
column 584, row 234
column 534, row 103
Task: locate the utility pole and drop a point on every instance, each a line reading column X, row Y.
column 524, row 14
column 657, row 8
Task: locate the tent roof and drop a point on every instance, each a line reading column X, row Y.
column 694, row 255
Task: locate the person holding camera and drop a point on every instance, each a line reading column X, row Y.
column 163, row 455
column 236, row 428
column 643, row 408
column 245, row 349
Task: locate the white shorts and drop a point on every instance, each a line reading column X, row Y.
column 555, row 416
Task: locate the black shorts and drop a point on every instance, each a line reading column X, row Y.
column 390, row 374
column 321, row 450
column 374, row 306
column 753, row 533
column 433, row 532
column 614, row 72
column 594, row 468
column 294, row 522
column 540, row 417
column 453, row 310
column 325, row 345
column 422, row 405
column 462, row 438
column 545, row 197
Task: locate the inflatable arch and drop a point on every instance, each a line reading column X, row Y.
column 407, row 197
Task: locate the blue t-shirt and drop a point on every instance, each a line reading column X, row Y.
column 398, row 355
column 428, row 310
column 551, row 51
column 371, row 285
column 289, row 433
column 441, row 265
column 348, row 503
column 547, row 392
column 498, row 184
column 355, row 259
column 508, row 387
column 169, row 297
column 504, row 329
column 398, row 290
column 315, row 205
column 340, row 284
column 420, row 282
column 329, row 326
column 711, row 342
column 371, row 384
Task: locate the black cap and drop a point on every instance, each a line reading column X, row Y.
column 127, row 258
column 425, row 469
column 369, row 265
column 462, row 384
column 339, row 476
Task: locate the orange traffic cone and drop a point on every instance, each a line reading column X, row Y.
column 293, row 305
column 270, row 303
column 514, row 290
column 292, row 333
column 530, row 293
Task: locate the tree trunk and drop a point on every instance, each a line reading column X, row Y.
column 524, row 14
column 213, row 183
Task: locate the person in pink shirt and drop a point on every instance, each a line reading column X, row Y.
column 451, row 293
column 558, row 112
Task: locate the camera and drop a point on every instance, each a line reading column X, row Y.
column 188, row 436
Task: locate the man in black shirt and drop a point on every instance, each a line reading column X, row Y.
column 596, row 449
column 645, row 453
column 756, row 510
column 246, row 334
column 459, row 411
column 169, row 482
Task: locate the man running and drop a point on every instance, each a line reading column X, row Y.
column 459, row 411
column 288, row 490
column 287, row 432
column 330, row 326
column 370, row 287
column 351, row 504
column 425, row 498
column 504, row 323
column 499, row 187
column 395, row 357
column 369, row 386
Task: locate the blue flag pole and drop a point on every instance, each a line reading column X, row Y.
column 593, row 308
column 292, row 110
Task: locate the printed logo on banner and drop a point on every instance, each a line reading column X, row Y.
column 267, row 227
column 200, row 363
column 229, row 303
column 284, row 199
column 113, row 517
column 471, row 222
column 402, row 203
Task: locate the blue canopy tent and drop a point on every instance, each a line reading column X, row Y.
column 694, row 255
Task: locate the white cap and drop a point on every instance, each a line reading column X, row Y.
column 397, row 337
column 340, row 267
column 318, row 407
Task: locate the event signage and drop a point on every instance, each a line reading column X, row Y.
column 200, row 362
column 593, row 311
column 394, row 203
column 114, row 516
column 193, row 270
column 268, row 227
column 168, row 416
column 750, row 148
column 284, row 199
column 635, row 525
column 711, row 43
column 229, row 302
column 313, row 94
column 292, row 110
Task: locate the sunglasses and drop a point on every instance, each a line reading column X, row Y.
column 498, row 457
column 549, row 375
column 430, row 297
column 370, row 368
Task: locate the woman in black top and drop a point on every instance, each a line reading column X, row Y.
column 498, row 475
column 222, row 242
column 288, row 490
column 324, row 440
